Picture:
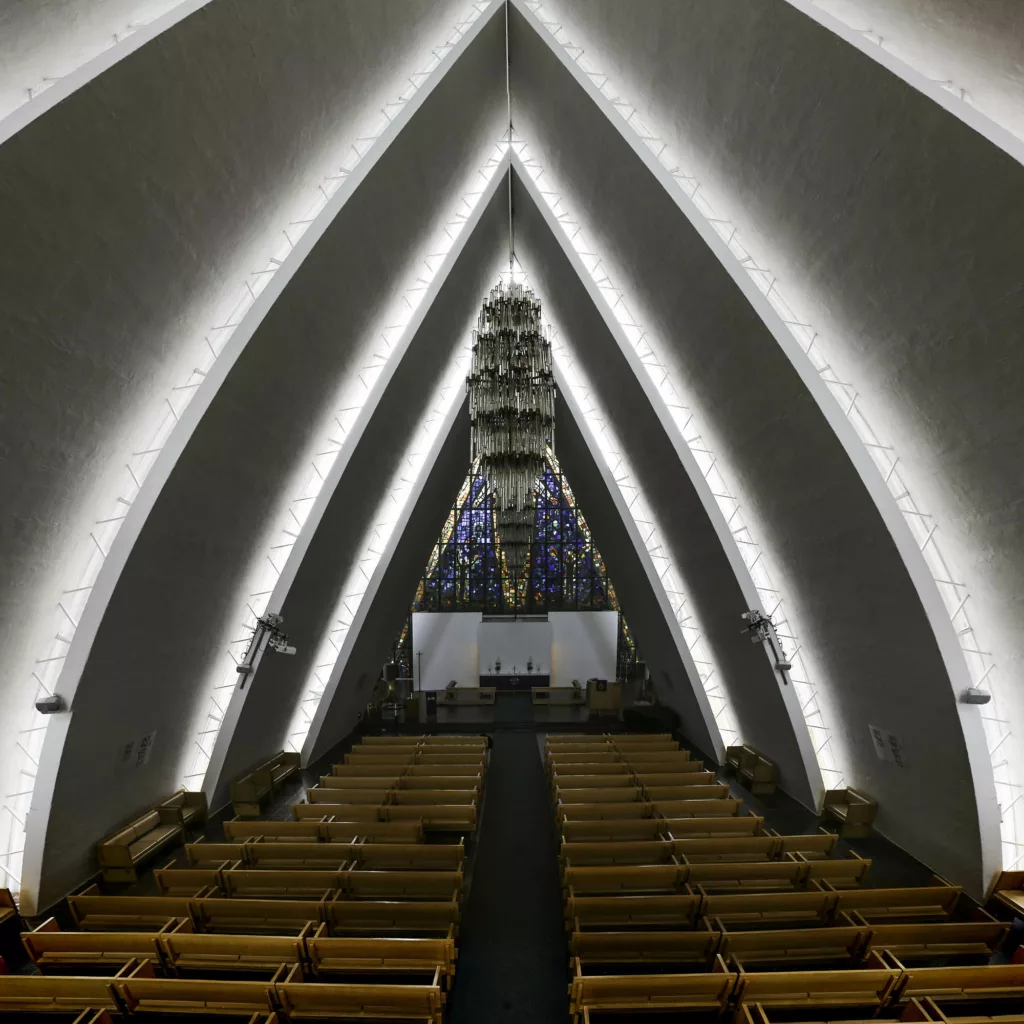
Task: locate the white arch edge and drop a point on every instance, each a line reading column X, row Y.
column 812, row 772
column 110, row 572
column 74, row 80
column 337, row 472
column 982, row 776
column 640, row 550
column 974, row 118
column 313, row 736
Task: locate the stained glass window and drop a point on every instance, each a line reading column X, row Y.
column 563, row 573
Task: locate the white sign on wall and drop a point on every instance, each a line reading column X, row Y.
column 136, row 753
column 887, row 745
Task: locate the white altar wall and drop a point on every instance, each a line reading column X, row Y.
column 584, row 646
column 575, row 645
column 514, row 644
column 447, row 645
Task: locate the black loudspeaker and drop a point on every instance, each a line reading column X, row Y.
column 390, row 672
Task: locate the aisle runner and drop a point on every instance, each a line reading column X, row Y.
column 512, row 960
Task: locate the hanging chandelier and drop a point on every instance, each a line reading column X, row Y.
column 511, row 411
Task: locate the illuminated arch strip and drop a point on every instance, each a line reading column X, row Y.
column 705, row 679
column 680, row 428
column 104, row 552
column 681, row 424
column 943, row 91
column 914, row 532
column 339, row 439
column 41, row 95
column 378, row 545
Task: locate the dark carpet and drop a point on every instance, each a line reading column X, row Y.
column 513, row 960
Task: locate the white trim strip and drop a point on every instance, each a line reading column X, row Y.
column 943, row 91
column 912, row 530
column 105, row 551
column 48, row 93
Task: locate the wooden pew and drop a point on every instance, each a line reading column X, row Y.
column 413, row 771
column 303, row 1000
column 580, row 829
column 755, row 771
column 604, row 912
column 630, row 878
column 557, row 762
column 329, row 956
column 451, row 739
column 388, row 917
column 144, row 993
column 409, row 831
column 376, row 856
column 189, row 805
column 598, row 794
column 694, row 778
column 411, row 797
column 817, row 844
column 726, row 848
column 587, row 768
column 641, row 760
column 690, row 993
column 408, row 856
column 958, row 984
column 271, row 883
column 94, row 912
column 380, row 783
column 868, row 987
column 715, row 876
column 794, row 945
column 605, row 811
column 220, row 915
column 187, row 952
column 697, row 808
column 937, row 938
column 440, row 781
column 647, row 947
column 369, row 771
column 349, row 797
column 855, row 812
column 49, row 948
column 747, row 876
column 428, row 885
column 686, row 792
column 271, row 831
column 848, row 872
column 560, row 780
column 649, row 809
column 294, row 856
column 27, row 993
column 649, row 851
column 443, row 817
column 449, row 760
column 172, row 881
column 660, row 851
column 213, row 855
column 644, row 744
column 250, row 790
column 769, row 908
column 883, row 905
column 120, row 853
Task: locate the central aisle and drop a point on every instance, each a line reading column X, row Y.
column 512, row 958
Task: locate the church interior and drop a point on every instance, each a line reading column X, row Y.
column 508, row 511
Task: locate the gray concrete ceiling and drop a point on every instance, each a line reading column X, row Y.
column 130, row 207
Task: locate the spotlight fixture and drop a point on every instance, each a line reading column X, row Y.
column 268, row 627
column 762, row 630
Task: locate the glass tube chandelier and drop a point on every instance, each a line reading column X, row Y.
column 512, row 411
